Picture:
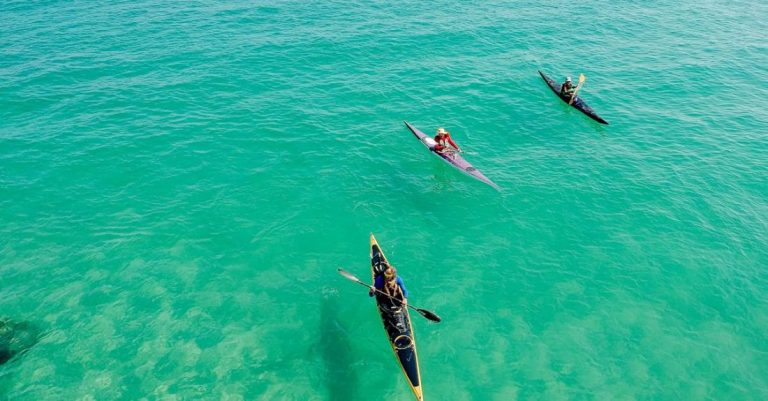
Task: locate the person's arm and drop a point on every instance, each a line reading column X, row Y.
column 452, row 143
column 402, row 287
column 378, row 283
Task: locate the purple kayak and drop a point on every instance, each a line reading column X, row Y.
column 452, row 158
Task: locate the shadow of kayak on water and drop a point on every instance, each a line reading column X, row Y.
column 16, row 338
column 336, row 351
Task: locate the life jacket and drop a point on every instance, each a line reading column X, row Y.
column 395, row 292
column 565, row 88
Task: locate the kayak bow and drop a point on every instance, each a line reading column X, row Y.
column 452, row 158
column 577, row 103
column 397, row 324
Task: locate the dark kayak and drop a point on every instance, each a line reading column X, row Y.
column 577, row 103
column 452, row 158
column 397, row 324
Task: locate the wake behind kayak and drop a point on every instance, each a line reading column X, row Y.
column 452, row 158
column 577, row 103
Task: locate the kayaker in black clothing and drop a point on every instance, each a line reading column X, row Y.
column 567, row 88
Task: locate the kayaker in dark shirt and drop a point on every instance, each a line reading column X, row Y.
column 391, row 284
column 443, row 139
column 567, row 88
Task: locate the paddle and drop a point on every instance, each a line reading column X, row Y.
column 423, row 312
column 582, row 78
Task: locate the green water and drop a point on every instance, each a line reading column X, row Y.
column 180, row 181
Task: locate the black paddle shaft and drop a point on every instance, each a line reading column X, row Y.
column 423, row 312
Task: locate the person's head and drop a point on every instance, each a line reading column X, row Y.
column 568, row 79
column 390, row 274
column 441, row 131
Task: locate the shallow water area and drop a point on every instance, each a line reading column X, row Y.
column 180, row 182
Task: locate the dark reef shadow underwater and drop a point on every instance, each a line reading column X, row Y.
column 16, row 338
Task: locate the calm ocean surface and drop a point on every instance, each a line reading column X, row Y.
column 180, row 180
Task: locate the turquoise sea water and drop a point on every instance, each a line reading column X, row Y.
column 180, row 181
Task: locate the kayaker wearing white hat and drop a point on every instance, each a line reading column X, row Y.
column 443, row 139
column 567, row 88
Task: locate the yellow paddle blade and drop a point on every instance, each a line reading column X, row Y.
column 582, row 78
